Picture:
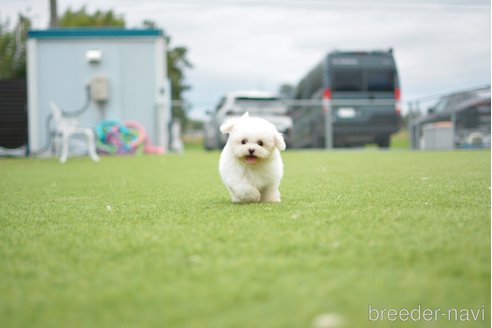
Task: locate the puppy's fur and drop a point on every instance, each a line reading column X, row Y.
column 250, row 164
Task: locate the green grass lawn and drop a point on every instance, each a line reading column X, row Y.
column 401, row 139
column 155, row 241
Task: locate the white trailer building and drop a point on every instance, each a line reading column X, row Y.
column 124, row 71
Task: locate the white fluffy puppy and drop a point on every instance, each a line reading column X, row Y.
column 250, row 164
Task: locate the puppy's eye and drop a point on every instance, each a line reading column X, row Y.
column 260, row 143
column 244, row 141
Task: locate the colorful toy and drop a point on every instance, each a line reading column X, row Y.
column 129, row 137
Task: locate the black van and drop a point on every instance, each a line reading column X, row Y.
column 352, row 96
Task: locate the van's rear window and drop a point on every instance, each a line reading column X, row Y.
column 363, row 80
column 347, row 80
column 380, row 80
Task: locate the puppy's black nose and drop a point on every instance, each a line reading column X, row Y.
column 251, row 151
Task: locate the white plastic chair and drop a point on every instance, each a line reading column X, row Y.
column 65, row 128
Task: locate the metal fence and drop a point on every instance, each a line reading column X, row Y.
column 329, row 123
column 323, row 123
column 344, row 122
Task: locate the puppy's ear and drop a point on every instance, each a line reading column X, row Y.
column 227, row 126
column 279, row 141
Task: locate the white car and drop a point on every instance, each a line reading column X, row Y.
column 267, row 105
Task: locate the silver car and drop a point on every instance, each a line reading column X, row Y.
column 262, row 104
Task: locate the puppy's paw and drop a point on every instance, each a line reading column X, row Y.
column 245, row 194
column 270, row 196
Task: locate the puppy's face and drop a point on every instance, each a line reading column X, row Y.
column 252, row 139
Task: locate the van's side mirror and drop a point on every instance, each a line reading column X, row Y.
column 431, row 110
column 209, row 112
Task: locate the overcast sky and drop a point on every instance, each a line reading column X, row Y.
column 439, row 45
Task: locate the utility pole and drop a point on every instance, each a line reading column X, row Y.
column 53, row 14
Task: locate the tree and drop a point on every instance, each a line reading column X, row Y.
column 177, row 63
column 81, row 18
column 286, row 91
column 13, row 48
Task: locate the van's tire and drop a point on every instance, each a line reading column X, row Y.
column 383, row 141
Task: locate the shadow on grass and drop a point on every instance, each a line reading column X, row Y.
column 227, row 202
